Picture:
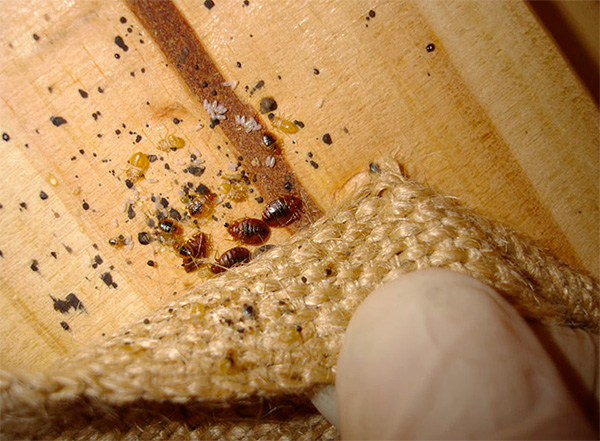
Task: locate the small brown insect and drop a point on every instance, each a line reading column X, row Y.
column 250, row 231
column 169, row 226
column 117, row 242
column 195, row 247
column 233, row 257
column 201, row 205
column 193, row 251
column 190, row 264
column 282, row 211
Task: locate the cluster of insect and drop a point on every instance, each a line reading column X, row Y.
column 247, row 231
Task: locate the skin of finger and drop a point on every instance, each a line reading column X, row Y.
column 436, row 354
column 575, row 353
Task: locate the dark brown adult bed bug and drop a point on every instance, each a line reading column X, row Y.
column 230, row 258
column 282, row 211
column 250, row 231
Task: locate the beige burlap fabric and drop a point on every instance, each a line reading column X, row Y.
column 239, row 357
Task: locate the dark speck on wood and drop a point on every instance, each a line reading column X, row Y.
column 108, row 280
column 58, row 120
column 195, row 170
column 74, row 302
column 61, row 306
column 119, row 42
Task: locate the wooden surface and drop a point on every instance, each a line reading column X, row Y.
column 493, row 115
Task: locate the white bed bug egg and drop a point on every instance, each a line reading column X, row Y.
column 270, row 161
column 232, row 84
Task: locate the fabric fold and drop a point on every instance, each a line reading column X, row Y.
column 269, row 333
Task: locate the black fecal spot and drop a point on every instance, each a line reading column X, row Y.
column 314, row 164
column 374, row 168
column 123, row 20
column 43, row 195
column 6, row 137
column 316, row 71
column 130, row 212
column 58, row 120
column 65, row 326
column 34, row 265
column 61, row 306
column 268, row 104
column 430, row 47
column 108, row 280
column 97, row 261
column 372, row 13
column 85, row 205
column 209, row 4
column 36, row 37
column 327, row 139
column 259, row 85
column 83, row 93
column 196, row 170
column 74, row 302
column 144, row 238
column 249, row 311
column 202, row 189
column 119, row 42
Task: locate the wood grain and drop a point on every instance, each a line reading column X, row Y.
column 493, row 115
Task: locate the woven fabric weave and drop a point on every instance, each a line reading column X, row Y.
column 239, row 357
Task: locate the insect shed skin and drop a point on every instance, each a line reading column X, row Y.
column 285, row 125
column 250, row 231
column 234, row 256
column 282, row 211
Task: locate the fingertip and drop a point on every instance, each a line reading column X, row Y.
column 437, row 354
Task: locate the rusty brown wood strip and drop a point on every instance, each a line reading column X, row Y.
column 184, row 51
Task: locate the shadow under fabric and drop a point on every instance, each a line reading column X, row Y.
column 240, row 357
